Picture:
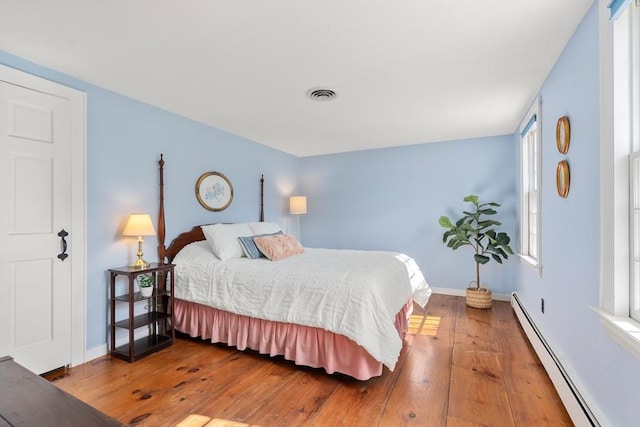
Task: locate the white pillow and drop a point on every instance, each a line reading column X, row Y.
column 223, row 239
column 264, row 227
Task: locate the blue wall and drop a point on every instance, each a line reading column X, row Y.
column 391, row 199
column 570, row 237
column 124, row 141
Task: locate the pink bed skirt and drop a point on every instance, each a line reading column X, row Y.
column 303, row 345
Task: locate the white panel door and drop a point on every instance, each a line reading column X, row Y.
column 35, row 194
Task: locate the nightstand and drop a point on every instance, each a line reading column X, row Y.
column 158, row 317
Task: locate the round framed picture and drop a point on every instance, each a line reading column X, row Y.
column 214, row 191
column 563, row 178
column 563, row 134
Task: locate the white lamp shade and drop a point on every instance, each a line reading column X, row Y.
column 139, row 225
column 298, row 205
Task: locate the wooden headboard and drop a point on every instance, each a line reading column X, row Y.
column 193, row 235
column 183, row 239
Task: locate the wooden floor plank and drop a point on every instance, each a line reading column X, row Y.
column 473, row 329
column 298, row 401
column 357, row 403
column 503, row 317
column 242, row 399
column 478, row 392
column 420, row 396
column 527, row 385
column 459, row 366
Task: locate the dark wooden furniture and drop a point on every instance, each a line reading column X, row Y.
column 158, row 318
column 29, row 400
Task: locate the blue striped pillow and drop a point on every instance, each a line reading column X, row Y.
column 249, row 246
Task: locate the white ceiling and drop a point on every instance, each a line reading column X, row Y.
column 406, row 72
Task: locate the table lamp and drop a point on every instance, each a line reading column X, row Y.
column 139, row 225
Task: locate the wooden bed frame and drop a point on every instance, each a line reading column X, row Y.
column 340, row 354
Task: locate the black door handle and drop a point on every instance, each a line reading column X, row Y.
column 63, row 255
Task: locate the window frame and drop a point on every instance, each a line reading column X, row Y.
column 634, row 244
column 616, row 126
column 634, row 173
column 533, row 113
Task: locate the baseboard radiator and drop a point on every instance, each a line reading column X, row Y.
column 576, row 406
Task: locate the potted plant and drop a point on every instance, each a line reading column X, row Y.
column 145, row 283
column 476, row 230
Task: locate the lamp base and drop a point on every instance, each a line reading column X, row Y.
column 140, row 263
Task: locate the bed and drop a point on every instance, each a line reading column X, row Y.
column 345, row 311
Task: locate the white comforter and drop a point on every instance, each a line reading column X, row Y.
column 348, row 292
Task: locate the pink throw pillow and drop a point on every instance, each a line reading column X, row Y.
column 278, row 246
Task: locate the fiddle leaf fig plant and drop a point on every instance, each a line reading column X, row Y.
column 477, row 230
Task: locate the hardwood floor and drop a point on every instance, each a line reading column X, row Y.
column 459, row 367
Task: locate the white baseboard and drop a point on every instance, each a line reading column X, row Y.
column 571, row 397
column 462, row 293
column 96, row 352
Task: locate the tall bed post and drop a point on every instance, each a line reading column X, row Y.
column 262, row 198
column 161, row 225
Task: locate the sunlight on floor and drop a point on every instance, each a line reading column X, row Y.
column 415, row 322
column 423, row 325
column 430, row 327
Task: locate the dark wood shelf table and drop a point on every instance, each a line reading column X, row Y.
column 159, row 318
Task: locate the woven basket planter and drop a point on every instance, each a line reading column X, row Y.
column 479, row 298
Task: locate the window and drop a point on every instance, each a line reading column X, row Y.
column 530, row 186
column 619, row 170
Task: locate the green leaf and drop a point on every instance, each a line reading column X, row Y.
column 481, row 259
column 461, row 236
column 447, row 234
column 445, row 222
column 497, row 258
column 503, row 239
column 487, row 212
column 501, row 252
column 455, row 244
column 471, row 198
column 488, row 223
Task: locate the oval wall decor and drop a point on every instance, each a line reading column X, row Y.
column 214, row 191
column 563, row 134
column 563, row 178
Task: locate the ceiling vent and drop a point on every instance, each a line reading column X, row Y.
column 321, row 94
